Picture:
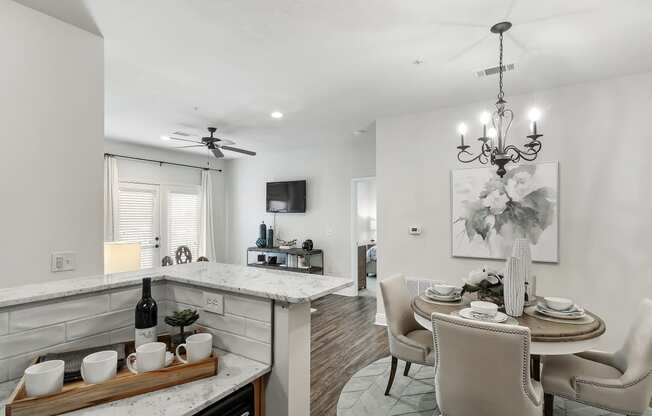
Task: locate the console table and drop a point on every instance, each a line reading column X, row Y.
column 314, row 259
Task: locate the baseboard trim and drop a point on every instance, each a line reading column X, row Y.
column 380, row 319
column 347, row 291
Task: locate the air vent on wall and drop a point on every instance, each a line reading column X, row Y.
column 494, row 70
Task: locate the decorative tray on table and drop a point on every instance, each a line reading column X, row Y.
column 77, row 394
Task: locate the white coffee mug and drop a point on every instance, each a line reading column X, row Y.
column 44, row 378
column 198, row 347
column 99, row 366
column 148, row 357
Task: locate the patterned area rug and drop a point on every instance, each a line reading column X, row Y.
column 364, row 394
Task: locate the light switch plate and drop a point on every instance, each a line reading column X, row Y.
column 213, row 302
column 63, row 261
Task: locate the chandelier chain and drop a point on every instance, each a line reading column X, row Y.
column 501, row 94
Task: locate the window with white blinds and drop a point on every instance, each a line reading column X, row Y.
column 183, row 221
column 138, row 220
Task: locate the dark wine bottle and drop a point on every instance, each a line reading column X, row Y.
column 146, row 315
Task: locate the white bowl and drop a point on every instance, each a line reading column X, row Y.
column 485, row 308
column 558, row 304
column 443, row 289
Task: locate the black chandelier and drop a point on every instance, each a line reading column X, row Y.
column 493, row 143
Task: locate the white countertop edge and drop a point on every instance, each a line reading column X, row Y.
column 181, row 400
column 288, row 299
column 20, row 295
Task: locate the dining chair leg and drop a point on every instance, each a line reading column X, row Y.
column 407, row 368
column 392, row 373
column 548, row 404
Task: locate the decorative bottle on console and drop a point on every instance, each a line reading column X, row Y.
column 146, row 315
column 270, row 237
column 261, row 242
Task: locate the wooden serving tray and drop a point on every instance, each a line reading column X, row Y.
column 78, row 395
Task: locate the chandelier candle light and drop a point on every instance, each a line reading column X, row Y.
column 493, row 143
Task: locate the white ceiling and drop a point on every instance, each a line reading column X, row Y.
column 335, row 66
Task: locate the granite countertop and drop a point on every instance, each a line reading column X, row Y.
column 185, row 399
column 272, row 284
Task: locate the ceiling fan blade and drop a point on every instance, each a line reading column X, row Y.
column 218, row 153
column 192, row 145
column 235, row 149
column 184, row 140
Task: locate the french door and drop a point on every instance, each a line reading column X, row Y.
column 159, row 217
column 180, row 220
column 139, row 220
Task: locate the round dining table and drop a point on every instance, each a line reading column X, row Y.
column 547, row 337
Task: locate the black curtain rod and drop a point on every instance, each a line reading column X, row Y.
column 161, row 162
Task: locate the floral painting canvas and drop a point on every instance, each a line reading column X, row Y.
column 489, row 212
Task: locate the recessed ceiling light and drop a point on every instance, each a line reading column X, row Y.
column 165, row 137
column 276, row 114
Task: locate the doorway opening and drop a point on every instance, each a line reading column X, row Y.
column 364, row 236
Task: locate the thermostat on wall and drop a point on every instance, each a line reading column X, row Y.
column 414, row 230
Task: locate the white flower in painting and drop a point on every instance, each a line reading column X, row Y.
column 496, row 201
column 475, row 277
column 520, row 185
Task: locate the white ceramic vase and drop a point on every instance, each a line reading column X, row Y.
column 514, row 286
column 521, row 250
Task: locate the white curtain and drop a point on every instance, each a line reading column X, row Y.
column 207, row 229
column 111, row 185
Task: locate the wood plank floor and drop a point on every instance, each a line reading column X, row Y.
column 344, row 340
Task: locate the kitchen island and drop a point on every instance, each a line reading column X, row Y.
column 261, row 315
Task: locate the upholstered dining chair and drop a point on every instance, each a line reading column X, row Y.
column 483, row 368
column 408, row 341
column 619, row 382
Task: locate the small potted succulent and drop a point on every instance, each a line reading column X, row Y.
column 486, row 283
column 181, row 319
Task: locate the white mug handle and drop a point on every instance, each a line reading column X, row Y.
column 179, row 356
column 129, row 365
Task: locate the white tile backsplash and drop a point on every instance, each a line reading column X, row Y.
column 259, row 310
column 33, row 340
column 243, row 346
column 55, row 312
column 260, row 331
column 99, row 323
column 18, row 364
column 4, row 323
column 128, row 298
column 185, row 294
column 228, row 323
column 4, row 371
column 122, row 335
column 95, row 320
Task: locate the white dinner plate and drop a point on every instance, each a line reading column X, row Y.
column 434, row 295
column 439, row 298
column 560, row 315
column 468, row 313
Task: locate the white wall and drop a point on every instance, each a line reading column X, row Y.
column 327, row 221
column 600, row 135
column 154, row 173
column 52, row 115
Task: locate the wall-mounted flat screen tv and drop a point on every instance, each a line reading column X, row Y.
column 286, row 196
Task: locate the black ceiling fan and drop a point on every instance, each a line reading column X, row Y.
column 215, row 144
